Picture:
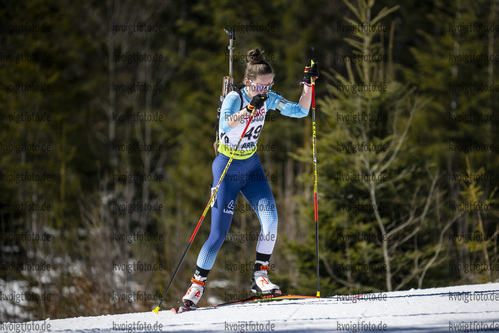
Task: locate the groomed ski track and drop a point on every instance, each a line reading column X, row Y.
column 471, row 308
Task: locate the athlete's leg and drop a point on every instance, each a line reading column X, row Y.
column 221, row 218
column 258, row 193
column 222, row 210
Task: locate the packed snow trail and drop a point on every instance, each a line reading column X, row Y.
column 472, row 308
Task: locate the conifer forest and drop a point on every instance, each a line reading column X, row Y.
column 107, row 115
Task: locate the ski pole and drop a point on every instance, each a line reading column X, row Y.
column 213, row 195
column 316, row 213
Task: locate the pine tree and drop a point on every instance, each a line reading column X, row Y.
column 457, row 69
column 377, row 197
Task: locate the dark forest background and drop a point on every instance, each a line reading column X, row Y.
column 106, row 116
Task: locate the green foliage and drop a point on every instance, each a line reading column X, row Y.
column 92, row 175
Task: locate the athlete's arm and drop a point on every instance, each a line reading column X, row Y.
column 257, row 102
column 306, row 97
column 236, row 118
column 285, row 107
column 231, row 115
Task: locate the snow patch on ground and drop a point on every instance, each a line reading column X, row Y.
column 471, row 308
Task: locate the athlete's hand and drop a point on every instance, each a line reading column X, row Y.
column 311, row 71
column 257, row 102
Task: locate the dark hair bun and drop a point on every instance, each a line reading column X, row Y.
column 254, row 56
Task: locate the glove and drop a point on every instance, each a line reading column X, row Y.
column 311, row 71
column 257, row 102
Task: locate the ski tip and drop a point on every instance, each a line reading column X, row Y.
column 156, row 310
column 174, row 310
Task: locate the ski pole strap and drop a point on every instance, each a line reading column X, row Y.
column 238, row 154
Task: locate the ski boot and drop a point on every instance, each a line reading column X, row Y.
column 260, row 282
column 193, row 294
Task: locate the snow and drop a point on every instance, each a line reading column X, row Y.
column 471, row 308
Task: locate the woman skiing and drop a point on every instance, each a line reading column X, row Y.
column 246, row 174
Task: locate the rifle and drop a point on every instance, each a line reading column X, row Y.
column 227, row 86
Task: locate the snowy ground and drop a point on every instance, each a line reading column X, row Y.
column 473, row 308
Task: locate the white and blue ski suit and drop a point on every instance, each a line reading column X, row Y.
column 244, row 175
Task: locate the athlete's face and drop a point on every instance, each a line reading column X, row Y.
column 261, row 85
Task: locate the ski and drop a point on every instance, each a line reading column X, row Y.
column 278, row 296
column 264, row 298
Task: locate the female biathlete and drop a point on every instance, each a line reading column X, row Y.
column 245, row 174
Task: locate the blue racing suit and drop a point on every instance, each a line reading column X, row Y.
column 245, row 175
